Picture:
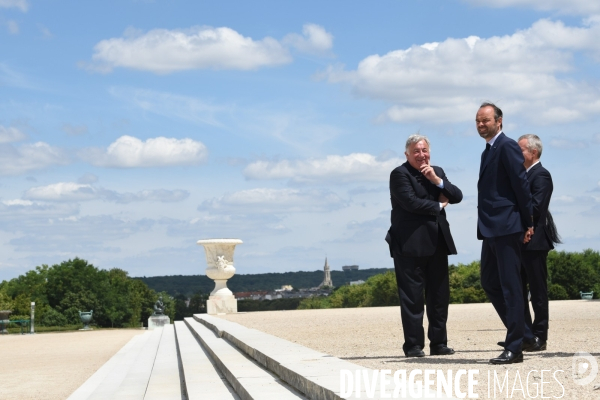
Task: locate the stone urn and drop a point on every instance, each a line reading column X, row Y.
column 4, row 320
column 86, row 318
column 219, row 267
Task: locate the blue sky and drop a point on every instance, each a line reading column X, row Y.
column 131, row 129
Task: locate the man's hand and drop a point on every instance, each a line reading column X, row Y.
column 429, row 173
column 443, row 199
column 528, row 235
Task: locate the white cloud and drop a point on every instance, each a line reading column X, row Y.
column 11, row 134
column 63, row 191
column 74, row 192
column 131, row 152
column 22, row 5
column 16, row 160
column 446, row 81
column 164, row 51
column 314, row 40
column 354, row 167
column 13, row 27
column 263, row 200
column 577, row 7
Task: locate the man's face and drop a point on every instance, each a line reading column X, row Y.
column 529, row 156
column 417, row 154
column 487, row 126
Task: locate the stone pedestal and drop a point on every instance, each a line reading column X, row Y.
column 158, row 321
column 219, row 261
column 221, row 305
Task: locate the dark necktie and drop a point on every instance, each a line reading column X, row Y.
column 484, row 155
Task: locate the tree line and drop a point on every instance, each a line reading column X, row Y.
column 188, row 285
column 569, row 273
column 62, row 290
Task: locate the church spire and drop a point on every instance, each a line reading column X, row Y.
column 326, row 275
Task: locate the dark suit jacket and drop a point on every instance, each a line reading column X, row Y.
column 541, row 186
column 416, row 213
column 503, row 198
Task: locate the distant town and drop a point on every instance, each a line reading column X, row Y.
column 289, row 292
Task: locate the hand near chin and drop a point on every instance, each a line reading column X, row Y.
column 429, row 173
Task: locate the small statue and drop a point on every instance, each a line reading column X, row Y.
column 159, row 306
column 222, row 263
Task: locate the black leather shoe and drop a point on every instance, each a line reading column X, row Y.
column 536, row 345
column 441, row 350
column 415, row 352
column 501, row 344
column 507, row 357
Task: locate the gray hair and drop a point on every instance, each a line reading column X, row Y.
column 416, row 138
column 533, row 142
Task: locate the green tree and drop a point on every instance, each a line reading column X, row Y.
column 575, row 272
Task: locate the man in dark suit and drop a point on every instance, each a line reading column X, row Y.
column 504, row 214
column 420, row 242
column 534, row 270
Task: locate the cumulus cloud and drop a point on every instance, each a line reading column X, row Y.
column 314, row 40
column 264, row 200
column 354, row 167
column 16, row 160
column 131, row 152
column 75, row 192
column 164, row 51
column 446, row 81
column 577, row 7
column 10, row 135
column 22, row 5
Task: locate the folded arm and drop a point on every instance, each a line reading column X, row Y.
column 403, row 192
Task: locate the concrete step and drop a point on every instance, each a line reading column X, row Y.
column 166, row 380
column 202, row 381
column 317, row 375
column 94, row 381
column 111, row 382
column 249, row 379
column 135, row 382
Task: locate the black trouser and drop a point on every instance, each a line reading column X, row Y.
column 534, row 272
column 414, row 276
column 501, row 281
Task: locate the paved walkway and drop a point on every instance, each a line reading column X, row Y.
column 53, row 365
column 372, row 337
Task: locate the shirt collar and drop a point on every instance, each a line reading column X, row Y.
column 533, row 165
column 492, row 140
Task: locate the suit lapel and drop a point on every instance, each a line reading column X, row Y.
column 493, row 150
column 532, row 170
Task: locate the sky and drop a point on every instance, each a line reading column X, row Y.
column 131, row 129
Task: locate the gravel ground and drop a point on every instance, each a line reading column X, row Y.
column 53, row 365
column 372, row 338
